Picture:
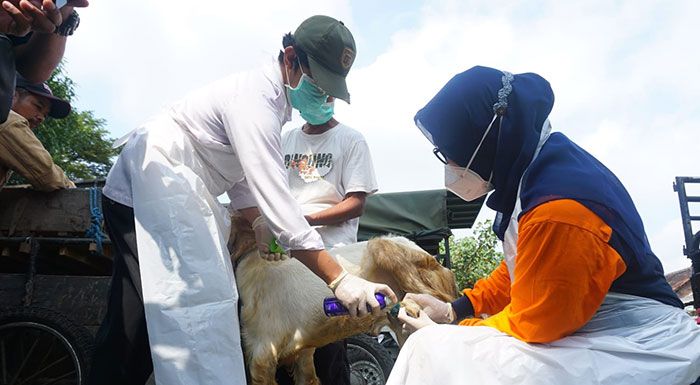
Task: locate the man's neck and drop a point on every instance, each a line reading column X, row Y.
column 312, row 129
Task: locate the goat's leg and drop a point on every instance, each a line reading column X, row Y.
column 304, row 369
column 263, row 367
column 396, row 326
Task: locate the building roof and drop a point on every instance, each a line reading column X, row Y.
column 680, row 283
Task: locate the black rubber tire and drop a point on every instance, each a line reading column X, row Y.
column 370, row 362
column 53, row 335
column 390, row 344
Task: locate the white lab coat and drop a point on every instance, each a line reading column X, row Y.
column 629, row 341
column 225, row 137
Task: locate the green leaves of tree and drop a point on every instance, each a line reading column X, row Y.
column 474, row 257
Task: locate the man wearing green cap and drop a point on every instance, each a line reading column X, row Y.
column 173, row 304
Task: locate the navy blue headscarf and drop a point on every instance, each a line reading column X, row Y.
column 456, row 119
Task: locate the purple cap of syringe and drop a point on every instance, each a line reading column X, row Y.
column 332, row 306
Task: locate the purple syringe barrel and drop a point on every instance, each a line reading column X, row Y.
column 332, row 306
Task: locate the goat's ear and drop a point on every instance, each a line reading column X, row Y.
column 380, row 254
column 242, row 237
column 414, row 270
column 442, row 283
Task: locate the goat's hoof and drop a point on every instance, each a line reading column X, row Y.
column 412, row 308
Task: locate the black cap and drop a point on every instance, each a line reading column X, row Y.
column 59, row 107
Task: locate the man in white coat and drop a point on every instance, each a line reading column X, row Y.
column 173, row 300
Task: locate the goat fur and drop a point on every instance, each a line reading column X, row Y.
column 282, row 317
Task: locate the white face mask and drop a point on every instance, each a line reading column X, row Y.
column 466, row 183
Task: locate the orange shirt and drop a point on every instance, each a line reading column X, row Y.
column 563, row 269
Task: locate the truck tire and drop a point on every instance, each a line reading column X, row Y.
column 40, row 346
column 370, row 362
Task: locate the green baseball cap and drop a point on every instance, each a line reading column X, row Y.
column 331, row 51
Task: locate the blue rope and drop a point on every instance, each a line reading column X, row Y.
column 95, row 229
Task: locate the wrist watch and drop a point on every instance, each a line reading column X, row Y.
column 69, row 25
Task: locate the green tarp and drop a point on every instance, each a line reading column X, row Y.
column 424, row 217
column 403, row 213
column 416, row 214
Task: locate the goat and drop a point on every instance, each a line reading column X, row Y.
column 282, row 317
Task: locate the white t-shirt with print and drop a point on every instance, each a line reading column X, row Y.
column 322, row 169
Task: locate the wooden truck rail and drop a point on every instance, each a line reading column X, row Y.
column 55, row 269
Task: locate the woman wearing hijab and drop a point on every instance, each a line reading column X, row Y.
column 580, row 297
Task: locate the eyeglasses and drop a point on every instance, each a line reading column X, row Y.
column 441, row 157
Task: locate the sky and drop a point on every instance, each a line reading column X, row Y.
column 624, row 74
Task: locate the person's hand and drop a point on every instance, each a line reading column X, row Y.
column 438, row 311
column 356, row 293
column 411, row 324
column 77, row 3
column 42, row 16
column 23, row 16
column 13, row 21
column 263, row 238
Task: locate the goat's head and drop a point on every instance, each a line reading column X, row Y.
column 407, row 268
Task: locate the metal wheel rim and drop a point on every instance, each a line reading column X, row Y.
column 368, row 369
column 52, row 332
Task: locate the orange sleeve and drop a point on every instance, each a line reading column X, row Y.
column 563, row 270
column 490, row 295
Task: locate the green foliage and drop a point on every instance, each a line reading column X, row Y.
column 79, row 144
column 474, row 257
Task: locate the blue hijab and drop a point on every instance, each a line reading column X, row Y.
column 456, row 119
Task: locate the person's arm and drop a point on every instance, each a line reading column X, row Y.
column 351, row 207
column 22, row 152
column 37, row 59
column 250, row 213
column 358, row 181
column 564, row 269
column 317, row 261
column 489, row 295
column 253, row 127
column 242, row 200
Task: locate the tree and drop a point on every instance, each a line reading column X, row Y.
column 474, row 257
column 79, row 144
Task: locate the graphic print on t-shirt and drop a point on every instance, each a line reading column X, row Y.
column 310, row 167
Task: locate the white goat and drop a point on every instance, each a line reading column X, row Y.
column 282, row 315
